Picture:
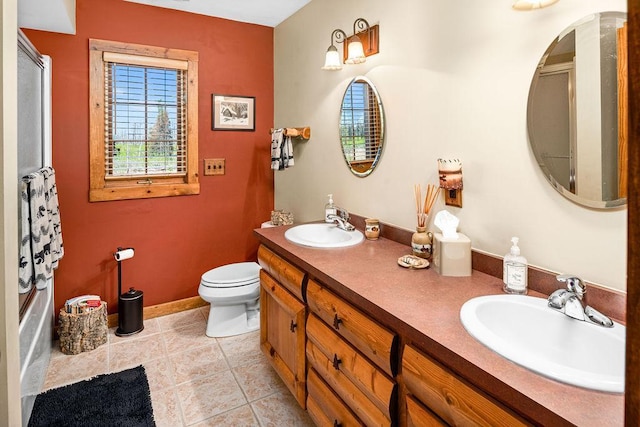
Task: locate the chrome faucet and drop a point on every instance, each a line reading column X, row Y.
column 341, row 218
column 570, row 301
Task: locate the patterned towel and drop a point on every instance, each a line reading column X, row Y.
column 281, row 150
column 25, row 272
column 53, row 209
column 41, row 238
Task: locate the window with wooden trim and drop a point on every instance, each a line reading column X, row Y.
column 143, row 121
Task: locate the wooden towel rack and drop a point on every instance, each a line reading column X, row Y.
column 303, row 132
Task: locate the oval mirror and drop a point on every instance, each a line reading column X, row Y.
column 577, row 111
column 361, row 126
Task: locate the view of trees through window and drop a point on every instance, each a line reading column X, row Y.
column 145, row 134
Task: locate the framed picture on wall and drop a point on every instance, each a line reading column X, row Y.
column 230, row 112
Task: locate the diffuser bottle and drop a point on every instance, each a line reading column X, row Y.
column 515, row 270
column 329, row 208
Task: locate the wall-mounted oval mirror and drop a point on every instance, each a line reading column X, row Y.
column 576, row 114
column 361, row 126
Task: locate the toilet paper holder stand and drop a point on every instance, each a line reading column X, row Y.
column 130, row 319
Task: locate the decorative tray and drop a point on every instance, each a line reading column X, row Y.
column 412, row 261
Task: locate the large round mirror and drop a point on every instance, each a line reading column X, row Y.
column 361, row 126
column 577, row 111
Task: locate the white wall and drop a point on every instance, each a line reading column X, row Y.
column 454, row 79
column 10, row 414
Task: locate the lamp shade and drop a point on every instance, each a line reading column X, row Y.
column 332, row 60
column 532, row 4
column 356, row 51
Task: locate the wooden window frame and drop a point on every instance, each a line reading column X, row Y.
column 139, row 187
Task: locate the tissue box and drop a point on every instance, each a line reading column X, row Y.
column 452, row 257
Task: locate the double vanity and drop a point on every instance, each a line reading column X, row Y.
column 359, row 339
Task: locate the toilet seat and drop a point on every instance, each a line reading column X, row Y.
column 232, row 275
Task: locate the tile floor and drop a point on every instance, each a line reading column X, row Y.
column 194, row 380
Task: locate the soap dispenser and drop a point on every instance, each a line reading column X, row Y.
column 514, row 272
column 329, row 209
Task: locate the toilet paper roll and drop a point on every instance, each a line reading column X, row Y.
column 124, row 254
column 267, row 224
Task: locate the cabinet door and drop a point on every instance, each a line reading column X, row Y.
column 282, row 334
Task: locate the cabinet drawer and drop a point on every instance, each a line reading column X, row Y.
column 289, row 276
column 352, row 396
column 324, row 407
column 452, row 399
column 420, row 416
column 371, row 339
column 374, row 383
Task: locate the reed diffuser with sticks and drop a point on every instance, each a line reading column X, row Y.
column 422, row 240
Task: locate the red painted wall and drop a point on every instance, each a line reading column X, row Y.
column 176, row 239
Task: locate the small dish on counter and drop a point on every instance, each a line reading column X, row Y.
column 412, row 261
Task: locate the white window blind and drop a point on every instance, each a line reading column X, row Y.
column 360, row 123
column 145, row 119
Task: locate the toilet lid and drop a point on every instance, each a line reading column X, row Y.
column 232, row 275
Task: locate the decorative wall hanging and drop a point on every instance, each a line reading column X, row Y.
column 231, row 112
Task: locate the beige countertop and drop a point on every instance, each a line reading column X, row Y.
column 423, row 307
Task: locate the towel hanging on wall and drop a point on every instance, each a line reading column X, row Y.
column 281, row 150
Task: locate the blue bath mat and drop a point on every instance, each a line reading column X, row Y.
column 120, row 399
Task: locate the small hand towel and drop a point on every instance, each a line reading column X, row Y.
column 25, row 271
column 277, row 138
column 287, row 153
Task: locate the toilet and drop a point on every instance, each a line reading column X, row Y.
column 233, row 291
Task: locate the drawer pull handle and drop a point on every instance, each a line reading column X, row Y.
column 336, row 423
column 336, row 321
column 336, row 362
column 293, row 326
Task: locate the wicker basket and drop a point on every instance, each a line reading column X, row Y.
column 84, row 331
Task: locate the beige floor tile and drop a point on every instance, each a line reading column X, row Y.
column 205, row 311
column 240, row 417
column 150, row 327
column 207, row 397
column 159, row 374
column 177, row 340
column 181, row 319
column 127, row 354
column 66, row 369
column 258, row 380
column 166, row 408
column 197, row 363
column 281, row 410
column 242, row 349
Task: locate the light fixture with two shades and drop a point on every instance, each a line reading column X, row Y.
column 356, row 51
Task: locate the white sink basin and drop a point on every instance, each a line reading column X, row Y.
column 524, row 330
column 323, row 235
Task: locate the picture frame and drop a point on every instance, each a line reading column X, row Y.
column 233, row 112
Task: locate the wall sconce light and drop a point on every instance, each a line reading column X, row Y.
column 355, row 51
column 532, row 4
column 332, row 60
column 450, row 173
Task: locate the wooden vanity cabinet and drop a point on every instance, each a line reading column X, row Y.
column 354, row 357
column 283, row 320
column 438, row 397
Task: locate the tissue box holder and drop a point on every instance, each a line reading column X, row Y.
column 452, row 257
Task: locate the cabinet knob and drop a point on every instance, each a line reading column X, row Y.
column 336, row 423
column 293, row 326
column 336, row 362
column 336, row 321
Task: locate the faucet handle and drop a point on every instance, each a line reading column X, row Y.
column 574, row 284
